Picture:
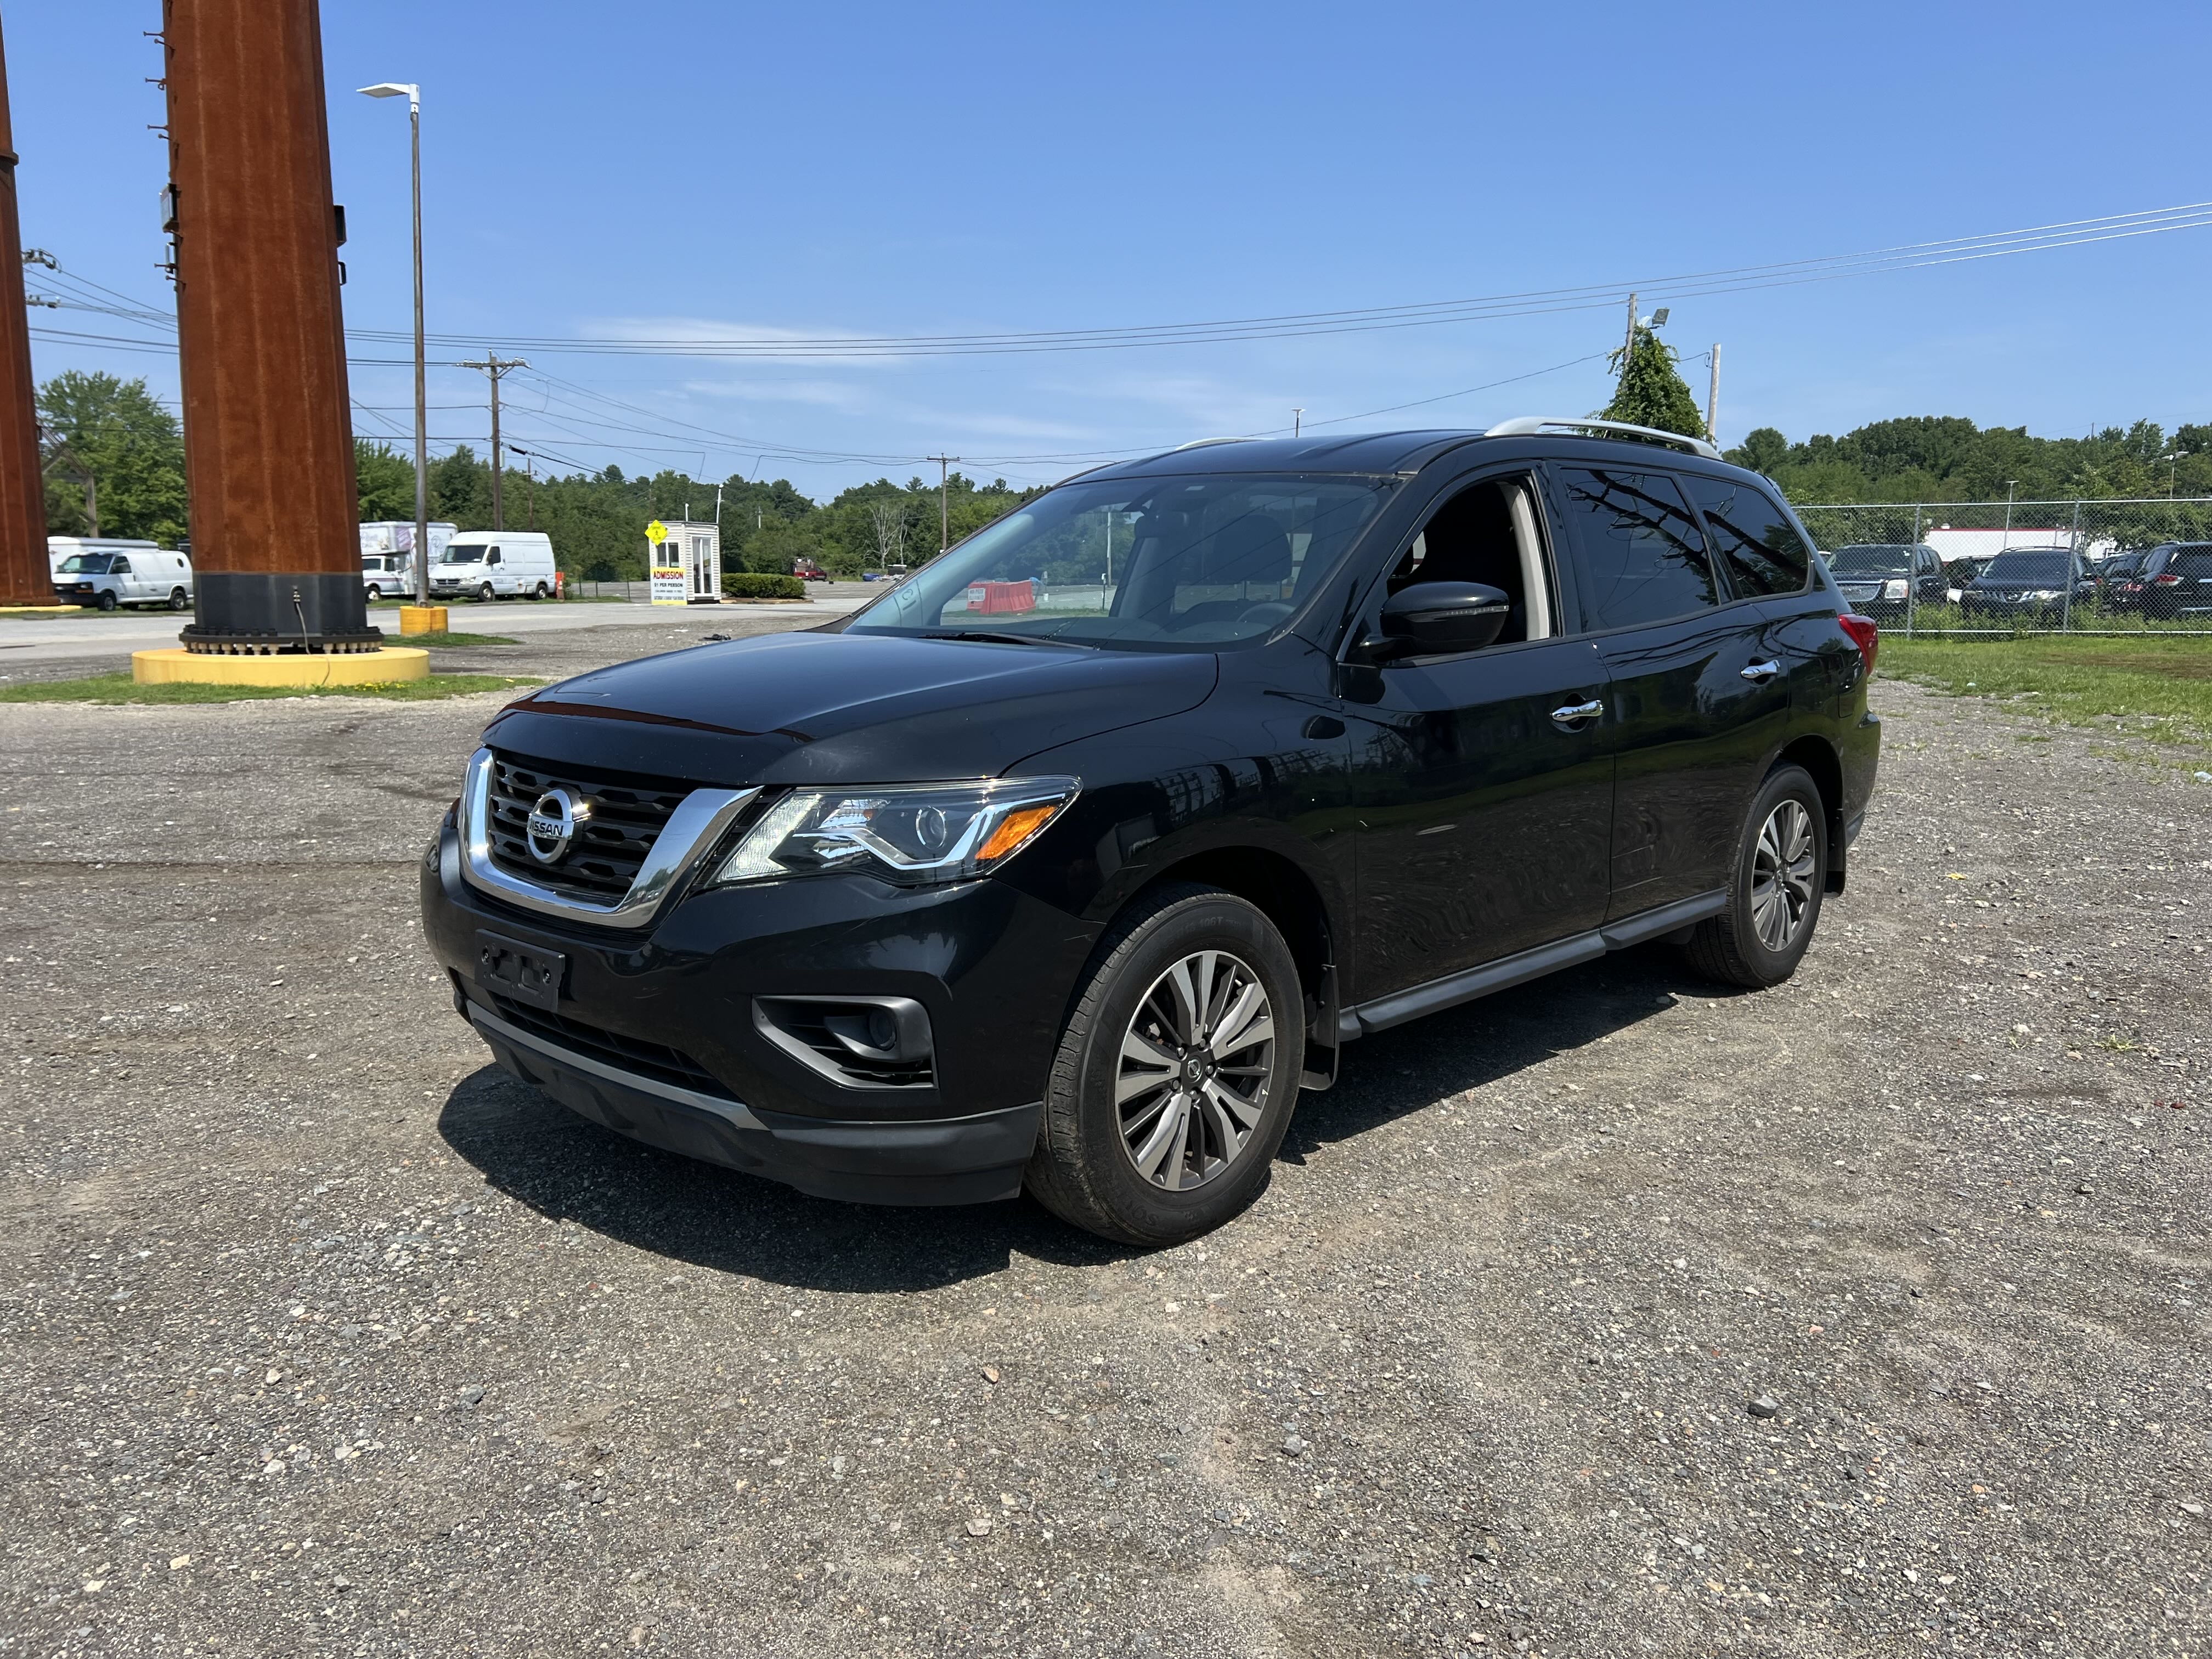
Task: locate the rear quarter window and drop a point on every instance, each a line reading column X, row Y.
column 1752, row 536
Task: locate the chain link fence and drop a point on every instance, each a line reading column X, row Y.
column 2089, row 579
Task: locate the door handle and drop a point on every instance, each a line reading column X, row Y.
column 1763, row 671
column 1576, row 713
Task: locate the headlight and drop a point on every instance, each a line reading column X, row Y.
column 2045, row 593
column 915, row 835
column 1893, row 589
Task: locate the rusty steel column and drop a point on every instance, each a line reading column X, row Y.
column 24, row 578
column 268, row 436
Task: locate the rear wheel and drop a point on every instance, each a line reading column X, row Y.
column 540, row 591
column 1176, row 1073
column 1775, row 889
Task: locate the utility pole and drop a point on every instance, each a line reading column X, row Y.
column 1628, row 346
column 496, row 368
column 1713, row 399
column 943, row 499
column 2011, row 484
column 268, row 434
column 1297, row 422
column 25, row 576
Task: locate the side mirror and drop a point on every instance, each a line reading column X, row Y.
column 1441, row 619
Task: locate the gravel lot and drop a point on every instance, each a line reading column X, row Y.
column 1610, row 1316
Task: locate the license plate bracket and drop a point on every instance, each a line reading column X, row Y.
column 525, row 972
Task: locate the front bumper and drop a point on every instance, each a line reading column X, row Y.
column 965, row 1160
column 639, row 1014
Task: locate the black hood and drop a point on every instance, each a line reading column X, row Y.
column 844, row 707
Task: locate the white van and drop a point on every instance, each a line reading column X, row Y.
column 108, row 574
column 495, row 564
column 387, row 564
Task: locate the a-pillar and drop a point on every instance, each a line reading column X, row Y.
column 25, row 576
column 268, row 436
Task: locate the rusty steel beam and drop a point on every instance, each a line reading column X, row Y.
column 268, row 435
column 24, row 577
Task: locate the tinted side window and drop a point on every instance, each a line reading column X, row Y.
column 1753, row 537
column 1643, row 558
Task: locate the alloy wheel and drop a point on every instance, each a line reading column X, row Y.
column 1782, row 875
column 1191, row 1086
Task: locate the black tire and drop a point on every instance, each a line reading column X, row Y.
column 374, row 593
column 1083, row 1169
column 1736, row 947
column 178, row 599
column 540, row 592
column 485, row 595
column 107, row 602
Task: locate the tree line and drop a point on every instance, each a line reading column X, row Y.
column 112, row 449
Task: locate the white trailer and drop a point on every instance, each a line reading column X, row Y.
column 387, row 564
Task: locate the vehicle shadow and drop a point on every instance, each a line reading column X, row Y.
column 564, row 1166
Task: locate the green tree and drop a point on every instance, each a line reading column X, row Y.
column 385, row 480
column 1763, row 449
column 131, row 446
column 1649, row 392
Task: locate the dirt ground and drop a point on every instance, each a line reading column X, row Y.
column 1610, row 1316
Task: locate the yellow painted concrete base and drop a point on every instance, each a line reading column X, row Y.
column 421, row 619
column 38, row 610
column 381, row 667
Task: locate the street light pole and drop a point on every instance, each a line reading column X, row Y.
column 413, row 94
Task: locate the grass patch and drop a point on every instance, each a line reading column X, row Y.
column 447, row 639
column 122, row 688
column 2154, row 677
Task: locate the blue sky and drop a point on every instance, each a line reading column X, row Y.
column 687, row 167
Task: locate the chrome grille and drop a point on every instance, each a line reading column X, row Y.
column 628, row 814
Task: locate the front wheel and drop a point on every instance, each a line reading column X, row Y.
column 108, row 602
column 1177, row 1072
column 178, row 599
column 375, row 594
column 485, row 595
column 1774, row 890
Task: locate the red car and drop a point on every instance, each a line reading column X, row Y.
column 807, row 571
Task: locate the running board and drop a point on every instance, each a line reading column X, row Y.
column 1508, row 971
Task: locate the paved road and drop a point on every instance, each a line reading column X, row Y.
column 99, row 639
column 320, row 1335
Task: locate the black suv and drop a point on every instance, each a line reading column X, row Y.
column 2176, row 581
column 1070, row 861
column 2043, row 584
column 1880, row 578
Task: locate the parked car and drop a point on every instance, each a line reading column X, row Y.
column 2029, row 583
column 2176, row 580
column 807, row 571
column 143, row 576
column 1960, row 572
column 1877, row 577
column 924, row 908
column 495, row 564
column 2119, row 581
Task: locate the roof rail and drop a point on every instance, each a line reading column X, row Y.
column 1202, row 443
column 1591, row 425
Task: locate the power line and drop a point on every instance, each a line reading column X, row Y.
column 1528, row 302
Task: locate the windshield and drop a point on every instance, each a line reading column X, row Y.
column 1894, row 560
column 2043, row 566
column 1141, row 563
column 89, row 564
column 464, row 553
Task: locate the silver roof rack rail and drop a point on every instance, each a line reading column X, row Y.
column 1202, row 443
column 1526, row 424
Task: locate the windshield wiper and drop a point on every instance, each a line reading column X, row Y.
column 984, row 638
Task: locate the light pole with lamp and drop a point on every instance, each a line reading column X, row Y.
column 413, row 95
